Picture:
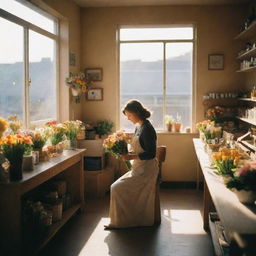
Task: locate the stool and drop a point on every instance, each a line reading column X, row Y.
column 160, row 155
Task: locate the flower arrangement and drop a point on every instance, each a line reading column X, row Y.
column 244, row 178
column 39, row 138
column 14, row 123
column 58, row 134
column 3, row 126
column 201, row 126
column 72, row 128
column 226, row 160
column 116, row 144
column 169, row 122
column 215, row 113
column 13, row 148
column 104, row 127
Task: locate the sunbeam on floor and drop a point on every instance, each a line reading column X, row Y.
column 180, row 233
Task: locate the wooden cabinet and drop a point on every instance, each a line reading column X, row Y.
column 97, row 182
column 67, row 166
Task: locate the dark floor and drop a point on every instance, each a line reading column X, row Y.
column 180, row 233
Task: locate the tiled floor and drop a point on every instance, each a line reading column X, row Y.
column 180, row 233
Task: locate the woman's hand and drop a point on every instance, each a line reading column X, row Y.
column 129, row 157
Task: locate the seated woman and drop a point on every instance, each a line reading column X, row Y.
column 133, row 194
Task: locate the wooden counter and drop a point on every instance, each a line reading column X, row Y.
column 234, row 216
column 67, row 166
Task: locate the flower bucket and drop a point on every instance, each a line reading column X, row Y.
column 245, row 196
column 27, row 163
column 15, row 171
column 169, row 127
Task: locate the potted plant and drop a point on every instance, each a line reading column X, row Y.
column 169, row 122
column 243, row 183
column 14, row 147
column 104, row 127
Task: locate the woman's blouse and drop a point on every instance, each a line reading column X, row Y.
column 147, row 139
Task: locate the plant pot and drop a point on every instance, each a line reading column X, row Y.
column 27, row 163
column 75, row 92
column 15, row 171
column 177, row 127
column 245, row 196
column 169, row 127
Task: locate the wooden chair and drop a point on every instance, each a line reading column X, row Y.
column 160, row 154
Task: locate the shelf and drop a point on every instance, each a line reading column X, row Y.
column 247, row 99
column 247, row 54
column 246, row 120
column 221, row 101
column 55, row 227
column 247, row 69
column 248, row 33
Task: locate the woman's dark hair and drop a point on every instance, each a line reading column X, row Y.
column 136, row 107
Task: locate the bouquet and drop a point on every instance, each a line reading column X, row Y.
column 72, row 129
column 56, row 132
column 38, row 138
column 14, row 124
column 244, row 178
column 3, row 126
column 116, row 144
column 226, row 160
column 215, row 113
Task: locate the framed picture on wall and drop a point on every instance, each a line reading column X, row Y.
column 94, row 74
column 216, row 61
column 94, row 94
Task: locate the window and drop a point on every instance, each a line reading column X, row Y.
column 28, row 83
column 156, row 68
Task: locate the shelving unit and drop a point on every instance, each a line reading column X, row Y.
column 247, row 69
column 247, row 33
column 247, row 54
column 247, row 99
column 246, row 120
column 67, row 166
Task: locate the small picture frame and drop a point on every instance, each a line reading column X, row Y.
column 94, row 74
column 216, row 61
column 94, row 94
column 72, row 59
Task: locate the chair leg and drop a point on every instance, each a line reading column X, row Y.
column 157, row 206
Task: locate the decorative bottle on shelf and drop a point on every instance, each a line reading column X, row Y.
column 253, row 93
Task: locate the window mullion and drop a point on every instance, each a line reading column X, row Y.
column 26, row 77
column 164, row 84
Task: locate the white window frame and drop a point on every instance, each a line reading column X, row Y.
column 193, row 41
column 26, row 82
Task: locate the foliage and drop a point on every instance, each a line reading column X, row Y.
column 104, row 127
column 244, row 178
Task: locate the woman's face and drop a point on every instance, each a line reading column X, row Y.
column 132, row 117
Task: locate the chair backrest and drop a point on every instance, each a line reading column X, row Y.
column 160, row 155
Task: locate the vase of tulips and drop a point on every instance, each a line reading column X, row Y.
column 13, row 148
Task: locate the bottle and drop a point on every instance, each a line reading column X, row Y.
column 253, row 93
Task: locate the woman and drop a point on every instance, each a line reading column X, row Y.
column 133, row 195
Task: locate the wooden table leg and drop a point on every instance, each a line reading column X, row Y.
column 206, row 205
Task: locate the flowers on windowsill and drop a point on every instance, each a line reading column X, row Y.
column 14, row 124
column 78, row 84
column 3, row 126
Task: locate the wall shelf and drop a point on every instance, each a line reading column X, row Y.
column 246, row 120
column 247, row 99
column 247, row 69
column 247, row 54
column 247, row 33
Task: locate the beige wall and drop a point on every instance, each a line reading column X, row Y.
column 216, row 28
column 71, row 42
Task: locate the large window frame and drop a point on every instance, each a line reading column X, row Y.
column 26, row 79
column 193, row 41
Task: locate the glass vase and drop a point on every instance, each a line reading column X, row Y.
column 73, row 144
